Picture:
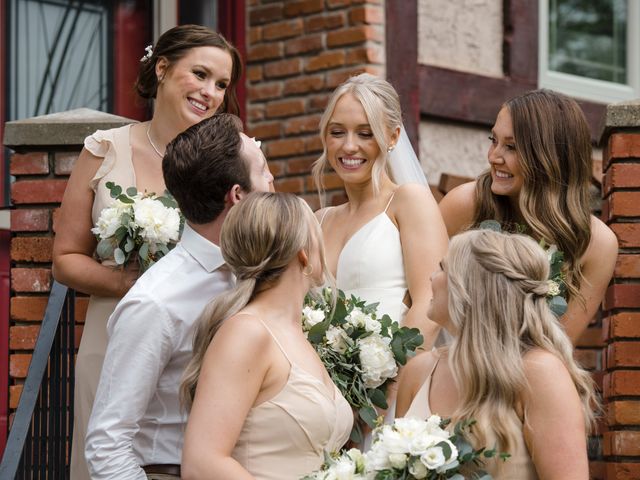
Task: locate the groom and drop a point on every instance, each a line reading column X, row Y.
column 136, row 427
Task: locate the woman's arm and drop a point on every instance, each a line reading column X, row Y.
column 598, row 263
column 74, row 244
column 424, row 243
column 457, row 208
column 412, row 376
column 554, row 426
column 232, row 375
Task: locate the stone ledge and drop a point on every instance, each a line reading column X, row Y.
column 58, row 129
column 620, row 115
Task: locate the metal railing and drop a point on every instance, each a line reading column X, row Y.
column 39, row 442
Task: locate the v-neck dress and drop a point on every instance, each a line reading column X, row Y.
column 114, row 147
column 285, row 437
column 371, row 266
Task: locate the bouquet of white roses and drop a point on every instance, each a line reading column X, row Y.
column 411, row 449
column 361, row 351
column 137, row 224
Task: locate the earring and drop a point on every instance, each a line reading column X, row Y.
column 307, row 273
column 390, row 148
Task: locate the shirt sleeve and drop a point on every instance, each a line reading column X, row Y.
column 139, row 347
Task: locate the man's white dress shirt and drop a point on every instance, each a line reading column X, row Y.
column 137, row 418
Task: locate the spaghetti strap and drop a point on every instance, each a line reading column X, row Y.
column 277, row 342
column 390, row 200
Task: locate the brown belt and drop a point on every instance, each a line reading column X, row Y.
column 165, row 469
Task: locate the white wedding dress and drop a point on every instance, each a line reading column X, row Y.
column 370, row 266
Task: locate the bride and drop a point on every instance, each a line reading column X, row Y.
column 381, row 244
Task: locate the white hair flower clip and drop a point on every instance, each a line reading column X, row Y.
column 257, row 142
column 147, row 56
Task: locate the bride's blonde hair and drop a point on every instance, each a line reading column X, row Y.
column 260, row 237
column 497, row 285
column 381, row 104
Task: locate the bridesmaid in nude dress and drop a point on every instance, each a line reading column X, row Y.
column 510, row 365
column 191, row 73
column 262, row 404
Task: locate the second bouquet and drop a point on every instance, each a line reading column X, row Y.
column 143, row 226
column 361, row 349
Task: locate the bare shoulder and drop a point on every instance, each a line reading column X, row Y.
column 603, row 241
column 242, row 334
column 417, row 369
column 410, row 192
column 457, row 207
column 544, row 370
column 320, row 213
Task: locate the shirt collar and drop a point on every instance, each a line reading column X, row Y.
column 206, row 253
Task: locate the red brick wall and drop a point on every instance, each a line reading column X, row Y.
column 298, row 52
column 621, row 333
column 41, row 177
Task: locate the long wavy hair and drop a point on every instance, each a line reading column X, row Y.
column 553, row 144
column 497, row 284
column 260, row 237
column 381, row 104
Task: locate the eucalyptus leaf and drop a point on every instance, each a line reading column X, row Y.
column 143, row 253
column 105, row 248
column 446, row 449
column 129, row 245
column 119, row 256
column 316, row 334
column 378, row 398
column 369, row 415
column 356, row 434
column 132, row 191
column 491, row 225
column 125, row 199
column 558, row 305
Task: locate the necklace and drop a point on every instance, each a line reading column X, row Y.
column 151, row 142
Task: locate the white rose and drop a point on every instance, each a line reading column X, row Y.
column 358, row 458
column 421, row 443
column 371, row 325
column 554, row 288
column 312, row 316
column 337, row 339
column 344, row 469
column 377, row 458
column 394, row 442
column 158, row 224
column 110, row 219
column 398, row 460
column 356, row 318
column 410, row 426
column 433, row 458
column 418, row 470
column 377, row 361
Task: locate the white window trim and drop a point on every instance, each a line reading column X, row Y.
column 587, row 88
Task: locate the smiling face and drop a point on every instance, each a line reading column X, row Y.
column 193, row 88
column 506, row 173
column 351, row 146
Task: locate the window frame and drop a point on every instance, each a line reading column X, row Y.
column 600, row 91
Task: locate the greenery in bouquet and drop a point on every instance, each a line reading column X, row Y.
column 142, row 226
column 360, row 349
column 412, row 449
column 557, row 296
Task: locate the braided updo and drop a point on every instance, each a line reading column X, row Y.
column 497, row 286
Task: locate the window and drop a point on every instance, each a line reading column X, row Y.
column 590, row 48
column 58, row 56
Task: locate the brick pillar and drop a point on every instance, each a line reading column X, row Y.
column 45, row 150
column 298, row 52
column 621, row 332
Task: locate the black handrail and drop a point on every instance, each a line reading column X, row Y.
column 39, row 442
